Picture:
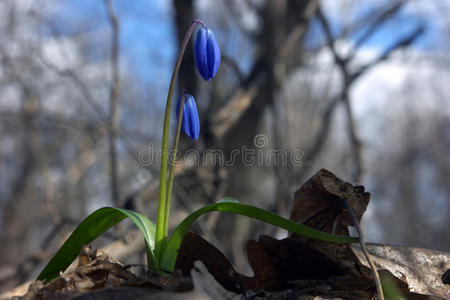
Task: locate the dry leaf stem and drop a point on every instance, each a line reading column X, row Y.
column 362, row 242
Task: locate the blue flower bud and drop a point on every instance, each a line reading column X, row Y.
column 206, row 53
column 190, row 123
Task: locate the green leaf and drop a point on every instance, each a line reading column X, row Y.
column 231, row 205
column 93, row 226
column 228, row 199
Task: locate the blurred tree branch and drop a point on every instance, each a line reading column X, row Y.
column 87, row 96
column 345, row 98
column 348, row 79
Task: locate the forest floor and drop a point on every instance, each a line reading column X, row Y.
column 291, row 268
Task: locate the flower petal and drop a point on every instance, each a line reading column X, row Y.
column 206, row 53
column 190, row 124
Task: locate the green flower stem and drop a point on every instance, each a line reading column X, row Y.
column 172, row 162
column 161, row 237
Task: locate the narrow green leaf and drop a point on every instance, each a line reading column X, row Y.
column 231, row 205
column 93, row 226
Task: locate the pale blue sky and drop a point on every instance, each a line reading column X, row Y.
column 148, row 38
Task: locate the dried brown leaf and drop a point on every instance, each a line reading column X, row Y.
column 318, row 203
column 276, row 262
column 194, row 248
column 95, row 270
column 422, row 269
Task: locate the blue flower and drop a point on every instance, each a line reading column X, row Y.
column 190, row 123
column 206, row 53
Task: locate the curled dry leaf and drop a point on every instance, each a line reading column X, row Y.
column 318, row 203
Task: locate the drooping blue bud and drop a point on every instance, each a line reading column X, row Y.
column 190, row 123
column 206, row 53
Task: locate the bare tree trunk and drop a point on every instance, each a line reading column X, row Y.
column 113, row 103
column 184, row 15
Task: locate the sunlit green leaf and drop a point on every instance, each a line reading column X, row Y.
column 231, row 205
column 93, row 226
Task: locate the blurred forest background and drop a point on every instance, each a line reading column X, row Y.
column 357, row 87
